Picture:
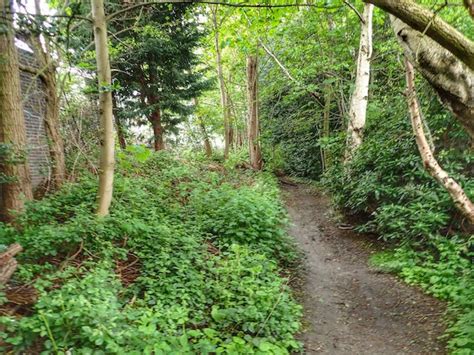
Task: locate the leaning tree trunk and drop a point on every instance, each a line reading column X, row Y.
column 432, row 25
column 456, row 192
column 17, row 185
column 224, row 99
column 253, row 125
column 360, row 96
column 452, row 80
column 107, row 149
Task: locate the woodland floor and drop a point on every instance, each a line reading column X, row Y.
column 349, row 307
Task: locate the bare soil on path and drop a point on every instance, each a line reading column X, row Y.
column 351, row 308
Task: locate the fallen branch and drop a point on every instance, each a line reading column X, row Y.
column 8, row 264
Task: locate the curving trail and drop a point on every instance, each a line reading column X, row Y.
column 350, row 308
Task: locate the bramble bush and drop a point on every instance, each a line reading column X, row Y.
column 207, row 248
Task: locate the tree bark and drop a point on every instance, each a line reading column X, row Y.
column 253, row 125
column 47, row 74
column 360, row 96
column 207, row 142
column 456, row 192
column 17, row 187
column 119, row 126
column 155, row 120
column 452, row 80
column 425, row 21
column 52, row 122
column 220, row 77
column 326, row 159
column 107, row 149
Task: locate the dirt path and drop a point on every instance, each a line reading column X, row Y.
column 349, row 308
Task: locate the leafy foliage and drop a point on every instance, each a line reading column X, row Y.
column 156, row 275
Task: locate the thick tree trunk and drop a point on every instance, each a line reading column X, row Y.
column 452, row 79
column 425, row 21
column 360, row 96
column 155, row 119
column 17, row 187
column 224, row 98
column 253, row 125
column 456, row 192
column 107, row 149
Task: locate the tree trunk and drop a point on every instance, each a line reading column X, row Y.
column 425, row 21
column 452, row 80
column 360, row 96
column 220, row 77
column 47, row 73
column 119, row 126
column 207, row 142
column 253, row 125
column 17, row 185
column 456, row 192
column 326, row 125
column 155, row 120
column 107, row 149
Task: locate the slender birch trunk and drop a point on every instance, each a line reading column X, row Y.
column 253, row 125
column 220, row 77
column 107, row 149
column 358, row 109
column 461, row 200
column 17, row 185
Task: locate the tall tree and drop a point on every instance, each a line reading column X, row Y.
column 107, row 149
column 253, row 121
column 360, row 96
column 15, row 183
column 155, row 60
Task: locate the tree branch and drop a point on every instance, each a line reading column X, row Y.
column 211, row 2
column 425, row 21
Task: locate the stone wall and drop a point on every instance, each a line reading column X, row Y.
column 34, row 103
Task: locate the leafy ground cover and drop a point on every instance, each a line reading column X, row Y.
column 190, row 260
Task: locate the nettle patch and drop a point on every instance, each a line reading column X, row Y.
column 189, row 261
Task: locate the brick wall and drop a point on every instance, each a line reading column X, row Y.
column 34, row 103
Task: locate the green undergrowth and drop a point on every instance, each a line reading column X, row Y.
column 445, row 271
column 190, row 260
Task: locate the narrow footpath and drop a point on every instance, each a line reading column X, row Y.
column 349, row 307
